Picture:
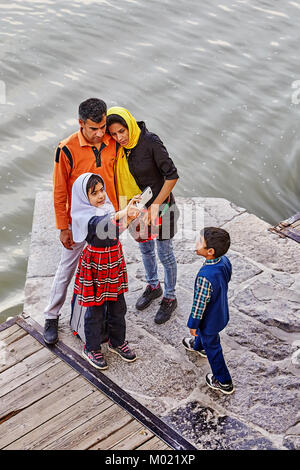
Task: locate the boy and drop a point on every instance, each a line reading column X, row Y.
column 209, row 314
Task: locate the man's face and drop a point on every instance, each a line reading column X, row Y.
column 93, row 131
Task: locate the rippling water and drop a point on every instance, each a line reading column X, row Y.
column 219, row 81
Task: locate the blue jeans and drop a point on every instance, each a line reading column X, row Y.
column 212, row 346
column 168, row 260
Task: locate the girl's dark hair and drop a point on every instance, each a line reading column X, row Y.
column 216, row 238
column 92, row 182
column 92, row 109
column 115, row 118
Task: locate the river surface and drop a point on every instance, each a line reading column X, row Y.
column 218, row 81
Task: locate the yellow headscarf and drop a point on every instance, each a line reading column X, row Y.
column 126, row 184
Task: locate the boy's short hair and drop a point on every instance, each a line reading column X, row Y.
column 216, row 238
column 92, row 109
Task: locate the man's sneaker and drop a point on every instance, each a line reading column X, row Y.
column 51, row 330
column 188, row 343
column 147, row 296
column 95, row 358
column 167, row 306
column 212, row 382
column 124, row 351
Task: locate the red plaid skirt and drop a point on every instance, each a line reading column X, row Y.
column 101, row 275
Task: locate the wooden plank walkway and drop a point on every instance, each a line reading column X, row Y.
column 52, row 399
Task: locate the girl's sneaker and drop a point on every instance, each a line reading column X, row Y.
column 95, row 358
column 212, row 382
column 124, row 351
column 188, row 343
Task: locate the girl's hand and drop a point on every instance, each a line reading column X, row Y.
column 131, row 210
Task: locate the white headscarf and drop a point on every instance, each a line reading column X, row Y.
column 81, row 209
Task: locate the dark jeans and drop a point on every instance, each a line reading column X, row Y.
column 212, row 346
column 110, row 314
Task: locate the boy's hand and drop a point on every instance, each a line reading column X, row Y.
column 193, row 332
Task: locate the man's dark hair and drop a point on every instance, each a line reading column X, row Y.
column 92, row 183
column 216, row 238
column 115, row 118
column 92, row 109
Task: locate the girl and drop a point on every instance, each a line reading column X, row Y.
column 144, row 161
column 101, row 278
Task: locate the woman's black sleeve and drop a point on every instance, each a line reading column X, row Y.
column 162, row 159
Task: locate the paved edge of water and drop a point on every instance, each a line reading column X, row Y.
column 261, row 342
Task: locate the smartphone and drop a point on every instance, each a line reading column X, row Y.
column 145, row 197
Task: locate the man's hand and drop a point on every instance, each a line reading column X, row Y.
column 193, row 332
column 66, row 238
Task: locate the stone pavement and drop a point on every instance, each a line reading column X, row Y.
column 261, row 342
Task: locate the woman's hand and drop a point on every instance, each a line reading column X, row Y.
column 131, row 210
column 150, row 216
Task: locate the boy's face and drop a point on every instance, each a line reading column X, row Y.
column 202, row 250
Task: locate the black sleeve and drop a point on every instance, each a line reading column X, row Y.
column 162, row 159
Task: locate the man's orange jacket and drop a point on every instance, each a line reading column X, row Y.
column 73, row 157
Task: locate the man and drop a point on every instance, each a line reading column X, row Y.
column 90, row 149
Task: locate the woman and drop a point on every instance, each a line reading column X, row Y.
column 144, row 161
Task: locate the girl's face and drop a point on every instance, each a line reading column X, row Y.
column 97, row 195
column 119, row 133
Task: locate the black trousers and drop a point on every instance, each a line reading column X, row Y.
column 108, row 318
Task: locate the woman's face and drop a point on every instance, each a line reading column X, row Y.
column 97, row 195
column 119, row 133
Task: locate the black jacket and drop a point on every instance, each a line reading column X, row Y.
column 149, row 162
column 150, row 165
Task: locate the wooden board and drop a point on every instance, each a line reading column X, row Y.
column 50, row 403
column 288, row 228
column 121, row 439
column 153, row 444
column 61, row 424
column 16, row 347
column 25, row 370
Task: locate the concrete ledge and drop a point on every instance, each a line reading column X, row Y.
column 261, row 343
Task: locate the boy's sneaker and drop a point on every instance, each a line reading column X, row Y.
column 188, row 343
column 167, row 306
column 147, row 296
column 95, row 358
column 124, row 351
column 212, row 382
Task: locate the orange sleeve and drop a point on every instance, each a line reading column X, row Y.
column 61, row 175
